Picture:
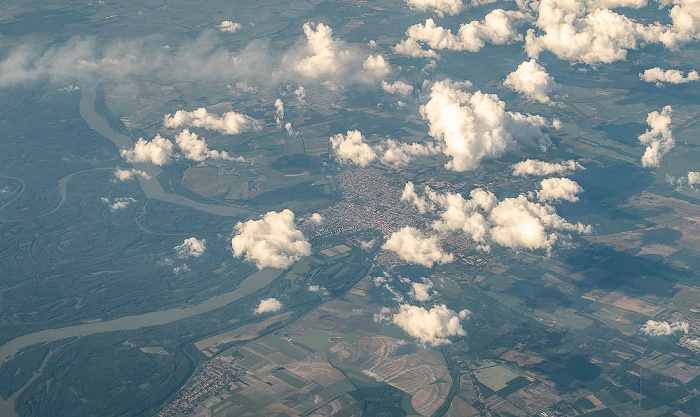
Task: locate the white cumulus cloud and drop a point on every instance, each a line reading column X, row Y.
column 229, row 26
column 272, row 241
column 191, row 247
column 316, row 219
column 434, row 326
column 474, row 126
column 229, row 123
column 413, row 247
column 279, row 112
column 521, row 224
column 158, row 151
column 558, row 189
column 268, row 305
column 499, row 27
column 672, row 76
column 658, row 140
column 128, row 174
column 422, row 291
column 516, row 223
column 118, row 203
column 376, row 66
column 591, row 33
column 532, row 167
column 439, row 7
column 196, row 149
column 664, row 328
column 532, row 80
column 397, row 87
column 351, row 148
column 397, row 154
column 323, row 56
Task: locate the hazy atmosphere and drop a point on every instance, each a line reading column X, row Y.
column 350, row 208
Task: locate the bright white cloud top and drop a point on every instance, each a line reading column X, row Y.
column 279, row 112
column 664, row 328
column 118, row 203
column 351, row 148
column 499, row 27
column 439, row 7
column 129, row 174
column 672, row 76
column 272, row 241
column 471, row 127
column 591, row 33
column 376, row 66
column 158, row 151
column 196, row 149
column 413, row 247
column 396, row 154
column 517, row 223
column 323, row 55
column 191, row 247
column 535, row 168
column 558, row 189
column 658, row 140
column 229, row 26
column 422, row 291
column 531, row 80
column 230, row 123
column 397, row 87
column 316, row 219
column 432, row 327
column 268, row 305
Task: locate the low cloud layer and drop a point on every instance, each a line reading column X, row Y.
column 415, row 248
column 272, row 241
column 434, row 326
column 316, row 58
column 658, row 140
column 471, row 127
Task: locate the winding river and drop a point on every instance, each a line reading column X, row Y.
column 152, row 189
column 252, row 283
